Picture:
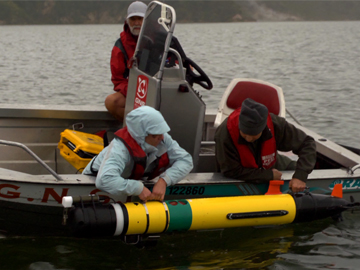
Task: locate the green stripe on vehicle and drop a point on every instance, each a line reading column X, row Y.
column 180, row 215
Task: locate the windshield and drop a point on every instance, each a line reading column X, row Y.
column 153, row 42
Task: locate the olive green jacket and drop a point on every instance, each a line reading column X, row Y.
column 287, row 137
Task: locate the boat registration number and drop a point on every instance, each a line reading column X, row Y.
column 187, row 190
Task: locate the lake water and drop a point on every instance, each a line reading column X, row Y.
column 316, row 64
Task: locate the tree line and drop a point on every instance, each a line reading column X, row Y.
column 108, row 12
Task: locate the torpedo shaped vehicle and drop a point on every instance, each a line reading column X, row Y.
column 92, row 216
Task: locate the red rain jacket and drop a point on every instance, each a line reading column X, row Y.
column 118, row 65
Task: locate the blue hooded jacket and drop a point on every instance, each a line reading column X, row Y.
column 114, row 164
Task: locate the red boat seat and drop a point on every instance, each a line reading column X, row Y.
column 239, row 89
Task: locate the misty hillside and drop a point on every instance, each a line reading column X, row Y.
column 316, row 10
column 108, row 12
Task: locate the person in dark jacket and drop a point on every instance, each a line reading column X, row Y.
column 248, row 140
column 122, row 51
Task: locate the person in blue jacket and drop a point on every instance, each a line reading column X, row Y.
column 143, row 150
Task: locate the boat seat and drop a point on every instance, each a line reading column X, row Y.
column 239, row 89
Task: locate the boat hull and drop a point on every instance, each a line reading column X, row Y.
column 34, row 208
column 18, row 219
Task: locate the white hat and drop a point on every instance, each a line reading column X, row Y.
column 136, row 8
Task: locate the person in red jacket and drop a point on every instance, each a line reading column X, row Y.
column 248, row 140
column 123, row 50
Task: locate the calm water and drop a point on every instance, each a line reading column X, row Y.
column 316, row 64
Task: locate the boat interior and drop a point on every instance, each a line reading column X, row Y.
column 39, row 129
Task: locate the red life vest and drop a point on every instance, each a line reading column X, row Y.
column 139, row 157
column 268, row 147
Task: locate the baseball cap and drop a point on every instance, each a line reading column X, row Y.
column 136, row 8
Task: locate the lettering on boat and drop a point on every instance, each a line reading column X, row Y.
column 216, row 190
column 10, row 191
column 9, row 194
column 141, row 91
column 51, row 192
column 189, row 190
column 347, row 184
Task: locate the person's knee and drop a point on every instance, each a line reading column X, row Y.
column 116, row 100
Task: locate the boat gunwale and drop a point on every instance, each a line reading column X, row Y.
column 190, row 179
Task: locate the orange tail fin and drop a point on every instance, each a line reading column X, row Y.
column 274, row 187
column 337, row 191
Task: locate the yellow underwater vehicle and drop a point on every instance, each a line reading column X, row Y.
column 90, row 216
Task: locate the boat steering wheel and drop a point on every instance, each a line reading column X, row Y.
column 201, row 78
